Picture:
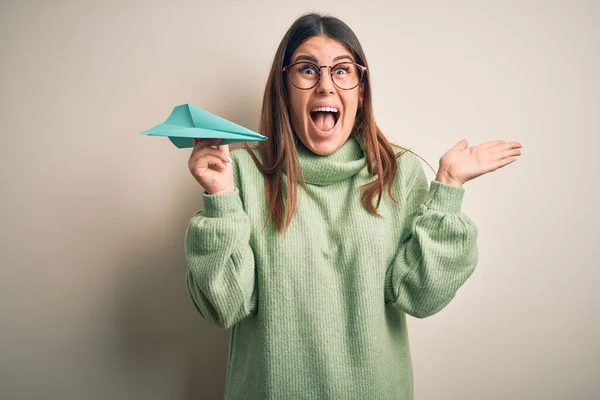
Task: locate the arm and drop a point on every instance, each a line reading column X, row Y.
column 221, row 271
column 437, row 254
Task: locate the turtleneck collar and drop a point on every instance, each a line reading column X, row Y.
column 342, row 164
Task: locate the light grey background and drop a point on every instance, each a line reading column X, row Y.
column 93, row 302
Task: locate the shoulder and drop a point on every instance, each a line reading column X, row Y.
column 242, row 159
column 240, row 154
column 245, row 169
column 408, row 161
column 410, row 169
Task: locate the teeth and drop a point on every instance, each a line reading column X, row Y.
column 326, row 109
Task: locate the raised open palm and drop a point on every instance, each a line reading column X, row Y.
column 462, row 163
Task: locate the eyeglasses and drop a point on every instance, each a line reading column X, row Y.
column 306, row 75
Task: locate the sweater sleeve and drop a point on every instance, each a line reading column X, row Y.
column 221, row 276
column 437, row 254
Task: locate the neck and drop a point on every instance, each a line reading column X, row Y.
column 340, row 165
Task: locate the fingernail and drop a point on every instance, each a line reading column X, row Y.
column 229, row 158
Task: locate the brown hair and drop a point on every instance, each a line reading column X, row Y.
column 278, row 152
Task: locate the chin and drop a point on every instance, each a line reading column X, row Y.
column 325, row 146
column 323, row 149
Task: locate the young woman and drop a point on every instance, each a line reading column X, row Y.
column 315, row 244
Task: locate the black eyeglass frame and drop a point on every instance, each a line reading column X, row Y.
column 362, row 69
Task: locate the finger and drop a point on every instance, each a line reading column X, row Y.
column 507, row 153
column 211, row 150
column 503, row 145
column 211, row 161
column 200, row 143
column 505, row 150
column 504, row 162
column 516, row 145
column 201, row 163
column 492, row 144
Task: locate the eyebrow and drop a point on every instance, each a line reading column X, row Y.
column 313, row 59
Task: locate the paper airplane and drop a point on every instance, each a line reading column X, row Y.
column 187, row 122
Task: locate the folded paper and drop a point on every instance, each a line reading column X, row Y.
column 187, row 122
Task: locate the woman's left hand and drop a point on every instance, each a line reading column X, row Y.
column 462, row 163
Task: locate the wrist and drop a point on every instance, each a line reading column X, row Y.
column 219, row 191
column 222, row 204
column 443, row 177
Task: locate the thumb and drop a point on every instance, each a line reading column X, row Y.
column 461, row 145
column 224, row 148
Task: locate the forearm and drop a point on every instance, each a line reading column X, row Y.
column 436, row 257
column 221, row 268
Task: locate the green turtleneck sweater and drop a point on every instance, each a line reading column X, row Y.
column 320, row 312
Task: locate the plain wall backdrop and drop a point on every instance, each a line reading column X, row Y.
column 93, row 214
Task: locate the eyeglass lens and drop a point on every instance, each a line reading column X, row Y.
column 306, row 75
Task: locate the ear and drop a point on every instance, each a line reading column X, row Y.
column 361, row 94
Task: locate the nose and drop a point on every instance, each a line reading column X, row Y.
column 325, row 85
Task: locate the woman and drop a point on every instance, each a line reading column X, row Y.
column 315, row 279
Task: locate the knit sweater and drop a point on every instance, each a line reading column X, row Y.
column 320, row 312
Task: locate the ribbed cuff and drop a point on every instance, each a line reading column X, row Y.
column 222, row 204
column 444, row 198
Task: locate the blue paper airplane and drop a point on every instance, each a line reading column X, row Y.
column 187, row 122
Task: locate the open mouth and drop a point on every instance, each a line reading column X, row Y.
column 325, row 118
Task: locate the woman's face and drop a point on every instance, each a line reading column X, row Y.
column 323, row 132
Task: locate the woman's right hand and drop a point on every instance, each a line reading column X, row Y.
column 212, row 167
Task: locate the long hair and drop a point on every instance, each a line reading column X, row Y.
column 279, row 153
